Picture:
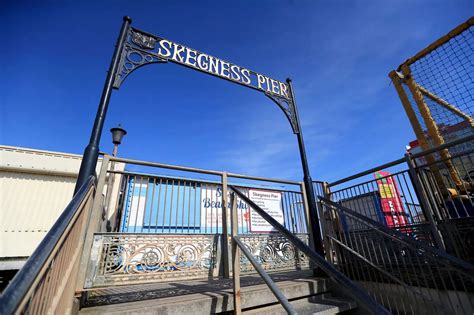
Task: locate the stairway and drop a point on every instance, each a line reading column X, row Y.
column 322, row 304
column 309, row 295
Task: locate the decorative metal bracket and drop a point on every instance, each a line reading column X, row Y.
column 137, row 52
column 288, row 108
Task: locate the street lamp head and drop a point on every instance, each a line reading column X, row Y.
column 117, row 134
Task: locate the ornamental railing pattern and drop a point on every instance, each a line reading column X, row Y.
column 118, row 258
column 274, row 252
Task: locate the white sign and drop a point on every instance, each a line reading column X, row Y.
column 270, row 202
column 211, row 207
column 192, row 58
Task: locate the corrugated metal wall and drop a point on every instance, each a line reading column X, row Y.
column 35, row 187
column 29, row 206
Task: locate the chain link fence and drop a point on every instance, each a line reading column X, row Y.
column 436, row 88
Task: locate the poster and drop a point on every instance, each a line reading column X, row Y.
column 392, row 206
column 270, row 202
column 211, row 208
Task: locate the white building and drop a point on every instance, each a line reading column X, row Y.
column 35, row 187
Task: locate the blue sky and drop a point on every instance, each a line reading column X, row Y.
column 338, row 53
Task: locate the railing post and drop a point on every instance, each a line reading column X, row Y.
column 312, row 239
column 225, row 233
column 324, row 222
column 106, row 224
column 93, row 223
column 235, row 255
column 309, row 226
column 422, row 197
column 306, row 212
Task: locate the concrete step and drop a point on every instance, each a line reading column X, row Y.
column 214, row 301
column 323, row 304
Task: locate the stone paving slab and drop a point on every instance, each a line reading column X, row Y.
column 130, row 293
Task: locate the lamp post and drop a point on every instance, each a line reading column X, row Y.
column 91, row 152
column 308, row 181
column 117, row 136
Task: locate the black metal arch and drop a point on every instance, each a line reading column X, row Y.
column 134, row 49
column 141, row 45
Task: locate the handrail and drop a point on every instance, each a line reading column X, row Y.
column 24, row 280
column 200, row 170
column 443, row 146
column 382, row 271
column 390, row 276
column 367, row 172
column 278, row 294
column 238, row 245
column 163, row 165
column 401, row 160
column 369, row 181
column 466, row 267
column 387, row 274
column 207, row 181
column 354, row 290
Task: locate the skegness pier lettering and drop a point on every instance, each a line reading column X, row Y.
column 181, row 54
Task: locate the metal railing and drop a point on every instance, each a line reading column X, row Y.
column 360, row 296
column 393, row 201
column 157, row 209
column 153, row 203
column 174, row 205
column 47, row 282
column 406, row 196
column 405, row 275
column 389, row 227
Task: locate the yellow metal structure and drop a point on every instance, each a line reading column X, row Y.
column 434, row 118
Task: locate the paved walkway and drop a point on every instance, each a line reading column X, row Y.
column 140, row 292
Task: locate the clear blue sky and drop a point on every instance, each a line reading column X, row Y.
column 338, row 53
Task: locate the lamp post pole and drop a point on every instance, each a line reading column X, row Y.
column 308, row 182
column 91, row 153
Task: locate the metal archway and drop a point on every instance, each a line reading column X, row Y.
column 136, row 48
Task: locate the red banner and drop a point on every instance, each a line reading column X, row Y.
column 391, row 201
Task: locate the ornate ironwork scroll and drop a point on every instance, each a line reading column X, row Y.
column 118, row 258
column 288, row 108
column 274, row 252
column 137, row 51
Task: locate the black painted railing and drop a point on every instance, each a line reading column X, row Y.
column 364, row 300
column 401, row 272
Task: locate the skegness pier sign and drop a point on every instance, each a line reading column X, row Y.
column 180, row 54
